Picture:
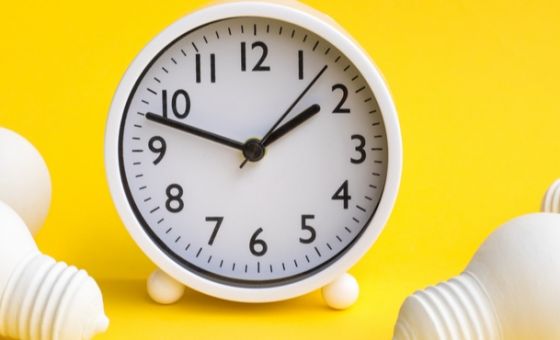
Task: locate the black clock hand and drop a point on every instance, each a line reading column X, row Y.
column 292, row 123
column 267, row 135
column 195, row 131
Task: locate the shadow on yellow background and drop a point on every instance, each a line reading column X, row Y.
column 476, row 88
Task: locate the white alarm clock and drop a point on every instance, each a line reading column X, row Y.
column 253, row 153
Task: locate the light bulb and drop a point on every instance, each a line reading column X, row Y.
column 25, row 183
column 39, row 297
column 510, row 290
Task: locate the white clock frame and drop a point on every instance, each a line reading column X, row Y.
column 318, row 23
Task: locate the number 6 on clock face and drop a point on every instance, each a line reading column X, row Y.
column 253, row 151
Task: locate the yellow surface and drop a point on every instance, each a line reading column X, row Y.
column 476, row 84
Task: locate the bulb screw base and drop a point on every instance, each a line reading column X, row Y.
column 50, row 300
column 455, row 309
column 551, row 200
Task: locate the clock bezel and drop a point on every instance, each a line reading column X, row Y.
column 308, row 19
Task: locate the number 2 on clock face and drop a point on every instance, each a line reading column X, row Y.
column 310, row 181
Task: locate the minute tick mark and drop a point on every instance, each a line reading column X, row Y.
column 317, row 251
column 315, row 46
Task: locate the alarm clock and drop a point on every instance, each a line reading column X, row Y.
column 253, row 152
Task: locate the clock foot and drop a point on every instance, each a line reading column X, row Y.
column 342, row 292
column 164, row 289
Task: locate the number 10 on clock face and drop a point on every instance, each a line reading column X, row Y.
column 252, row 152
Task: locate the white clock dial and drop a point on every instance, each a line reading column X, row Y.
column 286, row 214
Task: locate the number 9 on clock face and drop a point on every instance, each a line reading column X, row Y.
column 253, row 152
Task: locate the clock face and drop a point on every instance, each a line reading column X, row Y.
column 252, row 152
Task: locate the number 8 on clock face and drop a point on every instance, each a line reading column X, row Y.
column 253, row 151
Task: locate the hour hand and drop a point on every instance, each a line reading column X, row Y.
column 194, row 130
column 292, row 123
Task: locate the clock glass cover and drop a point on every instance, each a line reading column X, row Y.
column 252, row 152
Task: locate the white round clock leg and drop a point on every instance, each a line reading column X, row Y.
column 164, row 289
column 342, row 292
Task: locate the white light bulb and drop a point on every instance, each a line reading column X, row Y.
column 39, row 297
column 25, row 183
column 510, row 289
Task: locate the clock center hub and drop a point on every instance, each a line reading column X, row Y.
column 253, row 150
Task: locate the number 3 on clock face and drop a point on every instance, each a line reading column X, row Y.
column 248, row 153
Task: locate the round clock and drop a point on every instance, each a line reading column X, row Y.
column 253, row 152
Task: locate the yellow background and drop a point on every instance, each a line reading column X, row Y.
column 476, row 84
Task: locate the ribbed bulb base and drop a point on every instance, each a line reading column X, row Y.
column 455, row 309
column 50, row 300
column 551, row 201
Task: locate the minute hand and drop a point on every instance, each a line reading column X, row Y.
column 195, row 131
column 267, row 135
column 292, row 123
